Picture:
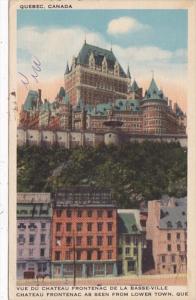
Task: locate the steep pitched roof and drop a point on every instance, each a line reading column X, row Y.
column 34, row 210
column 31, row 100
column 153, row 93
column 99, row 54
column 134, row 87
column 128, row 221
column 173, row 217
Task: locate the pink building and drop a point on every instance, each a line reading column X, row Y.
column 166, row 230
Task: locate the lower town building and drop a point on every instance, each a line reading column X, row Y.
column 130, row 242
column 84, row 233
column 166, row 228
column 33, row 235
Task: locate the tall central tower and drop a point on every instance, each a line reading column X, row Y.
column 95, row 76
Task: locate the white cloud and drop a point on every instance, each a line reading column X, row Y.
column 124, row 25
column 54, row 47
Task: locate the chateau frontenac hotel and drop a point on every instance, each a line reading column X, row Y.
column 100, row 103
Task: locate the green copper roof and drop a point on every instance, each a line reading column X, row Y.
column 31, row 100
column 153, row 93
column 34, row 210
column 61, row 92
column 134, row 87
column 99, row 54
column 127, row 223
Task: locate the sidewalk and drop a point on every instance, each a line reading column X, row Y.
column 158, row 279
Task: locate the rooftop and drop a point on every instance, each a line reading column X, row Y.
column 84, row 196
column 128, row 221
column 99, row 54
column 33, row 210
column 173, row 218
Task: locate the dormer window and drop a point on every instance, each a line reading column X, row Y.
column 104, row 65
column 169, row 224
column 134, row 227
column 116, row 69
column 179, row 224
column 91, row 61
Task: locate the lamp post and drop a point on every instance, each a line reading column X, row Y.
column 74, row 259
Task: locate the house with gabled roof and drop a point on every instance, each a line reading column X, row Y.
column 166, row 228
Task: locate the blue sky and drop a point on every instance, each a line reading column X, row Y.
column 168, row 27
column 145, row 40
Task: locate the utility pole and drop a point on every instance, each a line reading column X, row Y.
column 74, row 259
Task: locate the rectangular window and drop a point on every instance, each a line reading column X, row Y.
column 109, row 226
column 99, row 241
column 89, row 255
column 89, row 240
column 68, row 227
column 42, row 252
column 89, row 226
column 89, row 213
column 109, row 254
column 31, row 239
column 68, row 240
column 109, row 213
column 131, row 266
column 135, row 251
column 58, row 227
column 78, row 240
column 163, row 258
column 127, row 240
column 58, row 212
column 178, row 247
column 79, row 226
column 43, row 226
column 100, row 213
column 57, row 255
column 67, row 255
column 169, row 236
column 69, row 213
column 110, row 240
column 99, row 255
column 178, row 236
column 43, row 238
column 99, row 226
column 78, row 255
column 127, row 251
column 168, row 247
column 79, row 213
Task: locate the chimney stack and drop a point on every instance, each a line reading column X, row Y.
column 40, row 95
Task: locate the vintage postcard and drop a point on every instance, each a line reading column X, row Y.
column 102, row 149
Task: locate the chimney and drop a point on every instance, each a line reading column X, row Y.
column 40, row 95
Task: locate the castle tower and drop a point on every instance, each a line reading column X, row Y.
column 95, row 76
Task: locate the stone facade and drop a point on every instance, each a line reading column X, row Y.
column 98, row 96
column 84, row 233
column 166, row 228
column 33, row 235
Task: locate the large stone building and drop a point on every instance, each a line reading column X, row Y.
column 33, row 234
column 84, row 233
column 96, row 77
column 166, row 228
column 99, row 97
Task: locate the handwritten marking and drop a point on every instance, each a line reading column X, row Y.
column 36, row 67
